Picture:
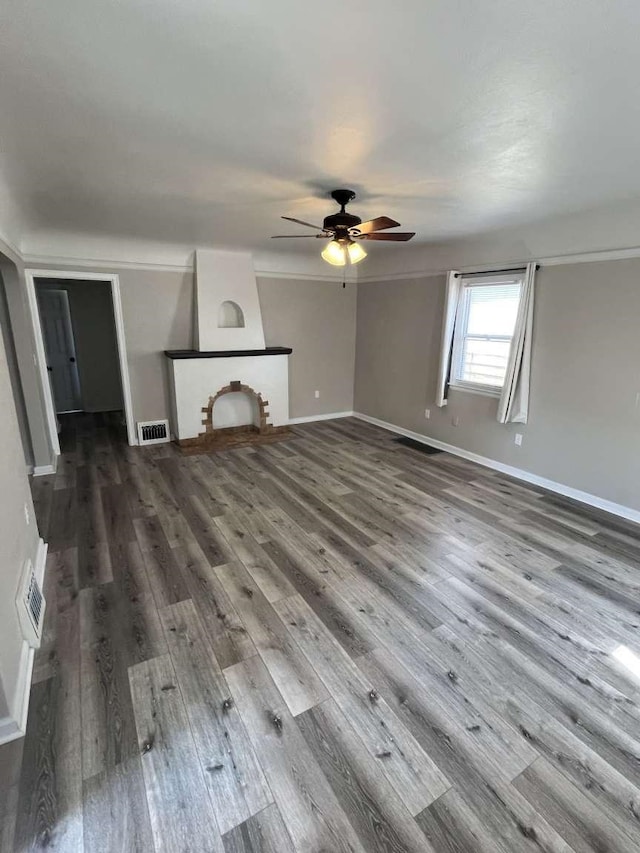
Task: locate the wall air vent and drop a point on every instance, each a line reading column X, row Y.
column 31, row 606
column 153, row 432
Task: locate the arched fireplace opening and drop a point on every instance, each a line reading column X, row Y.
column 242, row 403
column 236, row 414
column 235, row 409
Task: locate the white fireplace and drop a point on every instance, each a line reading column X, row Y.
column 230, row 350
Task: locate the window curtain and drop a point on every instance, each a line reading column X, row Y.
column 514, row 400
column 450, row 308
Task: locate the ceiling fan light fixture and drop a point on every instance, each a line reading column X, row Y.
column 347, row 230
column 334, row 253
column 356, row 253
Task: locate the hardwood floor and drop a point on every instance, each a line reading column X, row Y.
column 333, row 643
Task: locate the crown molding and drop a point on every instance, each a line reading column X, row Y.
column 303, row 276
column 100, row 263
column 592, row 257
column 596, row 256
column 13, row 249
column 399, row 276
column 291, row 266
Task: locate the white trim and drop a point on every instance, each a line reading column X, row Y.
column 11, row 246
column 361, row 277
column 304, row 276
column 124, row 363
column 519, row 473
column 40, row 562
column 470, row 388
column 179, row 268
column 43, row 470
column 400, row 276
column 326, row 417
column 120, row 265
column 15, row 726
column 41, row 361
column 41, row 364
column 591, row 257
column 551, row 261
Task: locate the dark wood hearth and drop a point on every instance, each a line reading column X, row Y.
column 232, row 437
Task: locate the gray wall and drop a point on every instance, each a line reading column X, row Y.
column 91, row 308
column 316, row 318
column 157, row 309
column 18, row 540
column 584, row 423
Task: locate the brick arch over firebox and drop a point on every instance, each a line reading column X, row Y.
column 263, row 426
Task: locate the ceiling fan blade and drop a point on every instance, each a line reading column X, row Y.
column 302, row 222
column 398, row 236
column 290, row 236
column 378, row 224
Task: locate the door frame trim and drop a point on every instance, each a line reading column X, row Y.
column 41, row 360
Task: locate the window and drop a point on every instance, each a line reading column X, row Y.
column 484, row 326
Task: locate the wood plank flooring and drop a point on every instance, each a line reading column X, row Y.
column 332, row 643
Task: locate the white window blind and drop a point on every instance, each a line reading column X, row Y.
column 484, row 327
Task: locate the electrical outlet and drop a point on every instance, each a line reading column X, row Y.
column 518, row 438
column 317, row 395
column 27, row 514
column 427, row 413
column 455, row 420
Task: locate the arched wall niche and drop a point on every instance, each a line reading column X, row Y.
column 230, row 315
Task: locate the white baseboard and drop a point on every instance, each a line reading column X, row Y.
column 41, row 561
column 43, row 470
column 519, row 473
column 327, row 417
column 15, row 726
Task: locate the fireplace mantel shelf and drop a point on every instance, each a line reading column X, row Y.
column 230, row 353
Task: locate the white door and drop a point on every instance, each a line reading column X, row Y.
column 57, row 332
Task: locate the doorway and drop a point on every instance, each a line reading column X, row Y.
column 80, row 347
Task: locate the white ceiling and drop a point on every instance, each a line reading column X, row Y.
column 199, row 122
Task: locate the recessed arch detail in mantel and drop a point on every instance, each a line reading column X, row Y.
column 230, row 315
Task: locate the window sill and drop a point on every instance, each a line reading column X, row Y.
column 476, row 389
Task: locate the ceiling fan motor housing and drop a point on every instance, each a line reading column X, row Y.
column 346, row 228
column 341, row 222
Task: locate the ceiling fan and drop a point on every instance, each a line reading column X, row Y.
column 346, row 230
